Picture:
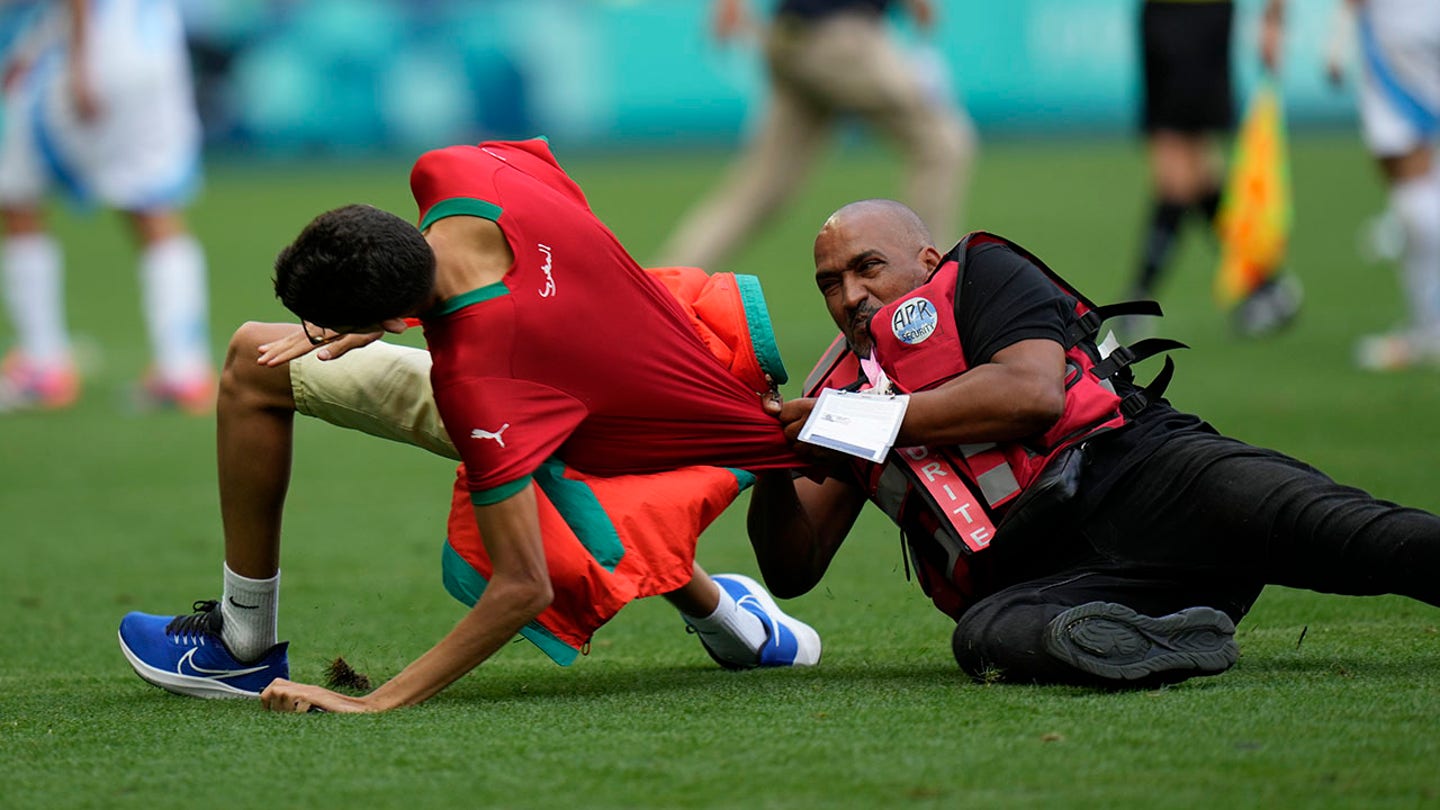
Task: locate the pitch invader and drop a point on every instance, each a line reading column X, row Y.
column 98, row 102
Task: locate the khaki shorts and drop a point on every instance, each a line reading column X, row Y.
column 382, row 390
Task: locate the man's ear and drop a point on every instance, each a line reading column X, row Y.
column 394, row 325
column 930, row 257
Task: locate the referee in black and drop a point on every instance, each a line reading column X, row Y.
column 1187, row 107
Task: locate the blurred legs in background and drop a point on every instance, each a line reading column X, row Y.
column 821, row 69
column 98, row 102
column 1399, row 95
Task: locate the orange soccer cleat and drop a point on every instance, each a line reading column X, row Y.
column 27, row 385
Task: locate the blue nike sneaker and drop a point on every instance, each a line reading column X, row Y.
column 789, row 643
column 185, row 655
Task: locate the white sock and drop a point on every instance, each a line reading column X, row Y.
column 731, row 632
column 250, row 608
column 173, row 290
column 1416, row 203
column 35, row 295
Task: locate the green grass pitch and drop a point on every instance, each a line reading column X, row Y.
column 103, row 511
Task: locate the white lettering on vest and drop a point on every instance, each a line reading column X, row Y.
column 972, row 526
column 914, row 320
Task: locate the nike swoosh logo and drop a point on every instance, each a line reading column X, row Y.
column 243, row 607
column 202, row 672
column 774, row 627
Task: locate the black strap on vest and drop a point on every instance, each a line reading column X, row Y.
column 1139, row 400
column 1088, row 325
column 1134, row 353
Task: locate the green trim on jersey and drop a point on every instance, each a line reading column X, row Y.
column 744, row 478
column 582, row 512
column 486, row 497
column 461, row 207
column 465, row 584
column 452, row 305
column 762, row 334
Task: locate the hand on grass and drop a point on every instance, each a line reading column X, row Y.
column 298, row 698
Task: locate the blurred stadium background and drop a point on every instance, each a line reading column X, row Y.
column 288, row 77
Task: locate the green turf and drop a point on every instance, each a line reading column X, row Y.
column 105, row 510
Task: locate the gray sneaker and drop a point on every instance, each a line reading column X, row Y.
column 1398, row 351
column 1118, row 644
column 1269, row 308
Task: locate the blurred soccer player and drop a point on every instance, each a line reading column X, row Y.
column 1187, row 105
column 826, row 59
column 1400, row 117
column 98, row 101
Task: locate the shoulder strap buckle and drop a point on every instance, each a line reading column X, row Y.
column 1088, row 325
column 1134, row 353
column 1142, row 398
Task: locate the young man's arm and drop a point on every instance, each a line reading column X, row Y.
column 326, row 343
column 518, row 591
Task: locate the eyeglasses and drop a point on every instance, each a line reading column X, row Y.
column 324, row 339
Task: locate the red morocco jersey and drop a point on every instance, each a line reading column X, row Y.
column 577, row 353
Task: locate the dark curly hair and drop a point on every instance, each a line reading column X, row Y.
column 355, row 266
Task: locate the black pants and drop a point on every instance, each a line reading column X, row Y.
column 1206, row 520
column 1185, row 56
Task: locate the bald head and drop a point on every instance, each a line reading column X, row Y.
column 868, row 254
column 893, row 218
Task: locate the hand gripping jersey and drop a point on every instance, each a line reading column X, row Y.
column 952, row 501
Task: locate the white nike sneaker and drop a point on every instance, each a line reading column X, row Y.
column 789, row 642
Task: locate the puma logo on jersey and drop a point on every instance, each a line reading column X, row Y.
column 477, row 433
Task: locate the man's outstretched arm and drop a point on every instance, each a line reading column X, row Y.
column 796, row 525
column 519, row 590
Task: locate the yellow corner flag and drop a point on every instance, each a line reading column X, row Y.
column 1253, row 225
